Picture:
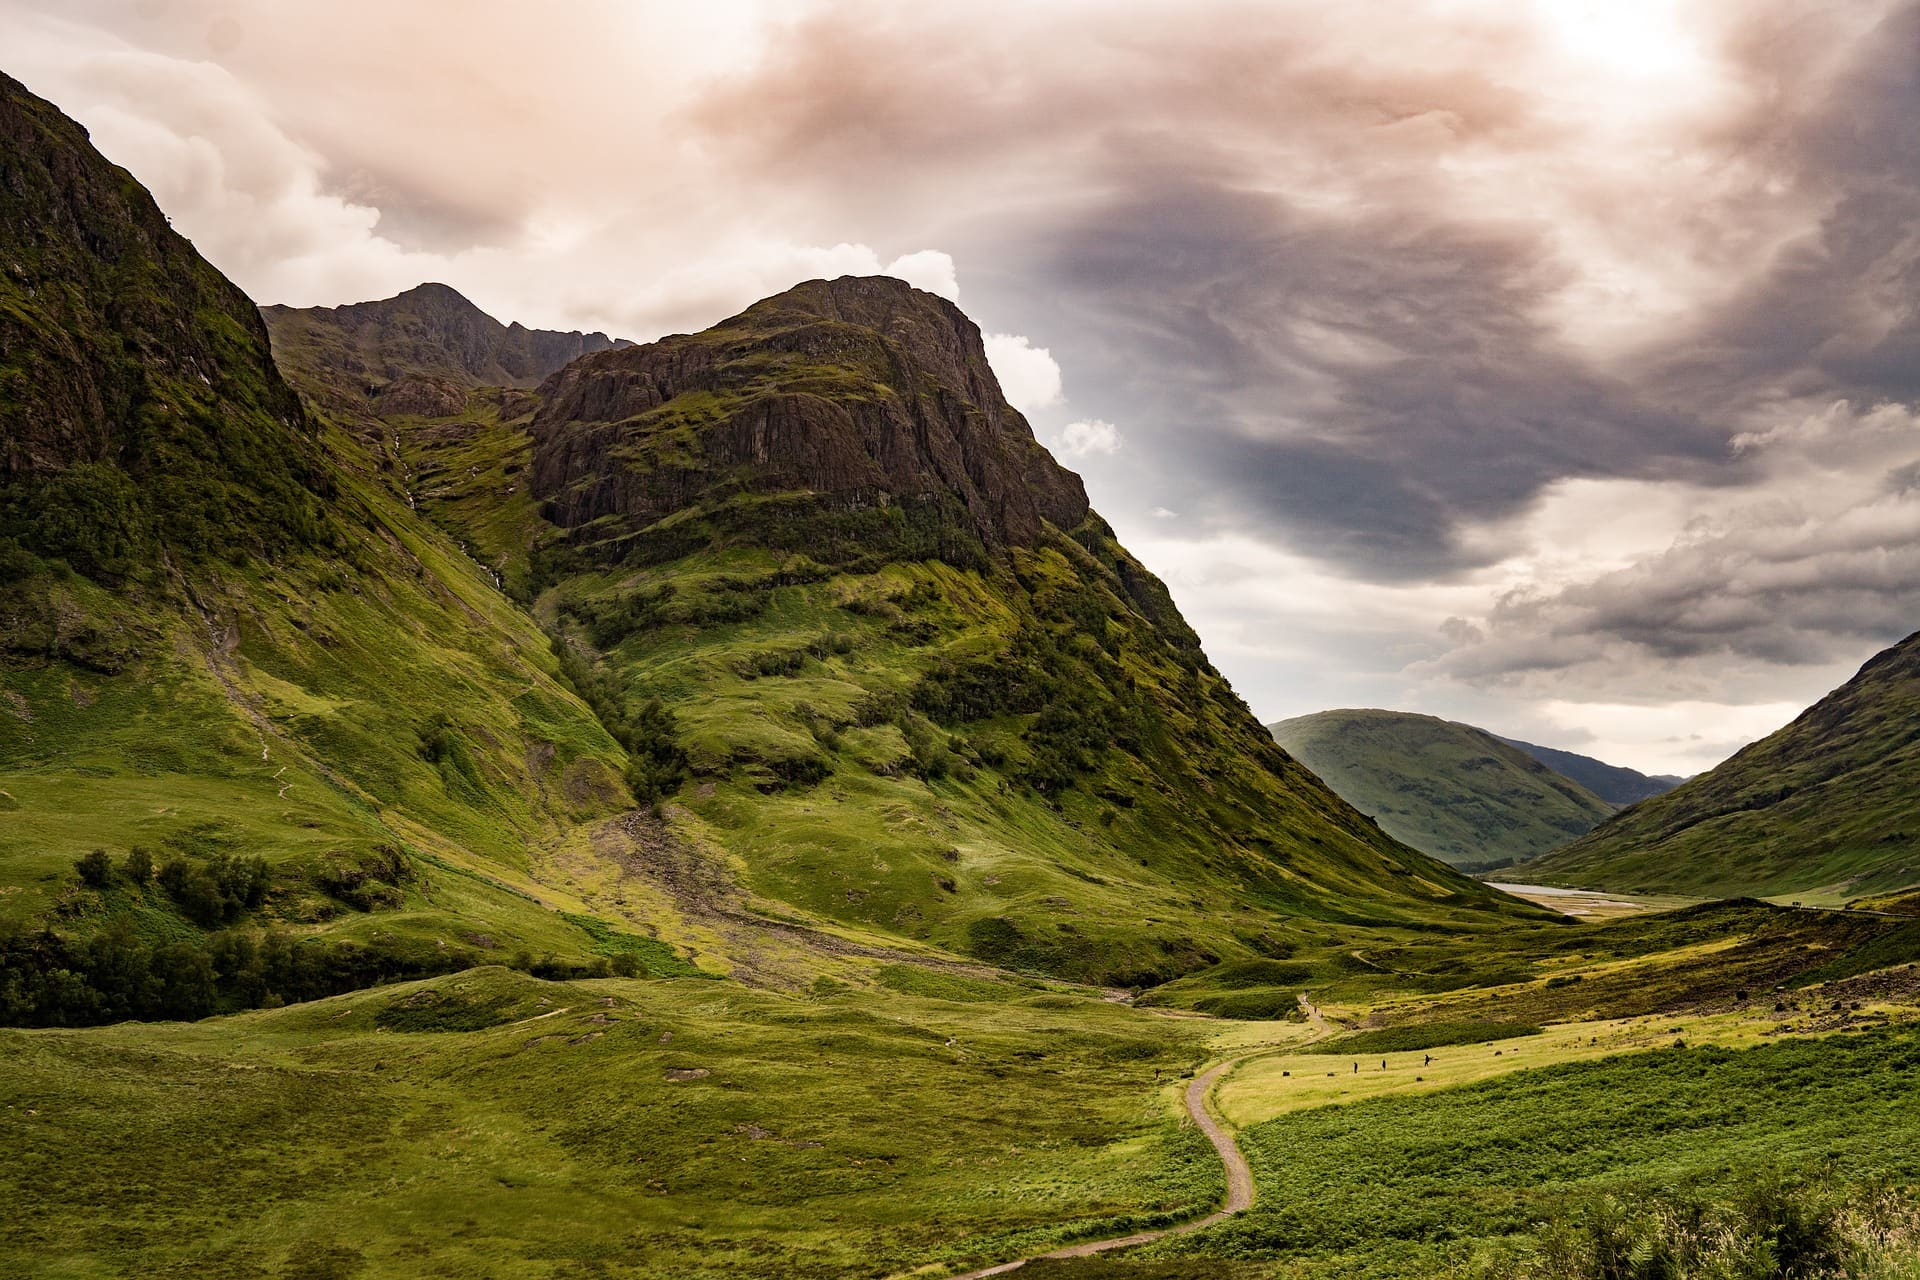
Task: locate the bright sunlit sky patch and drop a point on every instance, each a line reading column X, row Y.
column 1549, row 365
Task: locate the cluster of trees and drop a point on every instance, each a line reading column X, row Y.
column 49, row 979
column 210, row 891
column 656, row 762
column 1079, row 711
column 722, row 600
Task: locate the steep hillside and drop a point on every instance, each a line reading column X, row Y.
column 144, row 419
column 1826, row 809
column 419, row 352
column 1615, row 784
column 866, row 635
column 1450, row 789
column 230, row 659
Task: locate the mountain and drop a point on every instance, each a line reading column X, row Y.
column 419, row 352
column 783, row 649
column 1615, row 784
column 913, row 682
column 143, row 415
column 1450, row 789
column 1827, row 808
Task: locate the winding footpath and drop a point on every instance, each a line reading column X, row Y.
column 1239, row 1176
column 1239, row 1186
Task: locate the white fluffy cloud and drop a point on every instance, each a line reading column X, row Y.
column 928, row 269
column 1027, row 373
column 1086, row 438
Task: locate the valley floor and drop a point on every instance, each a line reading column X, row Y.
column 492, row 1124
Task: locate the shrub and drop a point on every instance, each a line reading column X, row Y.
column 95, row 869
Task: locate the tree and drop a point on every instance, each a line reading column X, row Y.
column 96, row 869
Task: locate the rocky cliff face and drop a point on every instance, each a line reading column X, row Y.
column 402, row 352
column 139, row 405
column 857, row 394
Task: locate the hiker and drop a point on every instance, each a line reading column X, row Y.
column 1428, row 1062
column 1383, row 1064
column 1356, row 1068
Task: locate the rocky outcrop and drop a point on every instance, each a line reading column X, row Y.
column 111, row 326
column 430, row 331
column 861, row 393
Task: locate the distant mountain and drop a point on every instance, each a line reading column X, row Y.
column 1451, row 790
column 417, row 353
column 1829, row 805
column 1615, row 784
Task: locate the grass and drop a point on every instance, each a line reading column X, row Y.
column 298, row 735
column 494, row 1124
column 1428, row 1183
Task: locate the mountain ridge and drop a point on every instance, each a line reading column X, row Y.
column 1453, row 790
column 419, row 351
column 1616, row 784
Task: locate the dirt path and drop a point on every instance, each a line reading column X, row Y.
column 1239, row 1176
column 1239, row 1185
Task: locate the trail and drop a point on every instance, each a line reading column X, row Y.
column 1239, row 1176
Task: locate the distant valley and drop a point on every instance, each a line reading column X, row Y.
column 1460, row 793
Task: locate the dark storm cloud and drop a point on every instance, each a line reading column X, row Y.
column 1365, row 384
column 1248, row 241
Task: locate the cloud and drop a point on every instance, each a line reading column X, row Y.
column 1028, row 374
column 1814, row 564
column 1086, row 438
column 928, row 269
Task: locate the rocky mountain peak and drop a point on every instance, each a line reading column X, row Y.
column 854, row 394
column 367, row 350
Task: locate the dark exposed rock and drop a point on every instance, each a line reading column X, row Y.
column 421, row 395
column 140, row 409
column 862, row 392
column 359, row 352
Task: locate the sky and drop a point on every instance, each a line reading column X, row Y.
column 1544, row 364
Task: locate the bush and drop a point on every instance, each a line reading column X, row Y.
column 138, row 865
column 95, row 869
column 1772, row 1228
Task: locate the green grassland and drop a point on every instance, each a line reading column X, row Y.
column 1448, row 789
column 312, row 712
column 1458, row 1180
column 492, row 1124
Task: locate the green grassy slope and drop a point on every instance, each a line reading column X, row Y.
column 1826, row 809
column 1452, row 790
column 229, row 643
